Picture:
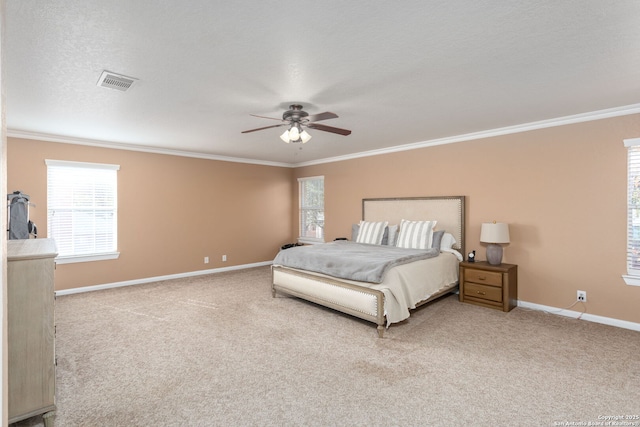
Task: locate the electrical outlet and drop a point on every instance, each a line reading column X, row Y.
column 224, row 258
column 206, row 260
column 582, row 296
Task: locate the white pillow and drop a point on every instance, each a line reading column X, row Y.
column 416, row 234
column 371, row 232
column 447, row 241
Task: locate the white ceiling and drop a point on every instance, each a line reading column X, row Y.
column 396, row 72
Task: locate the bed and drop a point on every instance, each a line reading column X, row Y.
column 382, row 294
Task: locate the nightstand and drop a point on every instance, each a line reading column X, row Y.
column 493, row 286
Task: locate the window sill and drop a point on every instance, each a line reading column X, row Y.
column 631, row 280
column 310, row 240
column 87, row 258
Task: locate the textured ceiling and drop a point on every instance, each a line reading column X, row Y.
column 396, row 73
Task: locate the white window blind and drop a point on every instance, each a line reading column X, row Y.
column 82, row 210
column 311, row 209
column 633, row 211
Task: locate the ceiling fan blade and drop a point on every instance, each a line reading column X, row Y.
column 321, row 116
column 331, row 129
column 265, row 117
column 266, row 127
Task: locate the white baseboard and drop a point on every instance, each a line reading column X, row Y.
column 158, row 278
column 583, row 316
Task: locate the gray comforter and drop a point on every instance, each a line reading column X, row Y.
column 349, row 260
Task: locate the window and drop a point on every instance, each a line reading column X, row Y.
column 311, row 209
column 633, row 212
column 82, row 210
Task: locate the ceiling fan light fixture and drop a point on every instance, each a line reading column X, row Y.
column 285, row 136
column 294, row 133
column 305, row 136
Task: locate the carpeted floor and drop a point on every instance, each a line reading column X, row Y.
column 218, row 350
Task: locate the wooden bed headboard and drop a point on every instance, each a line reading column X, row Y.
column 449, row 211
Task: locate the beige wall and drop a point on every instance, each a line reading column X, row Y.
column 173, row 211
column 561, row 189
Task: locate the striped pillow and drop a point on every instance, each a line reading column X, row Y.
column 371, row 232
column 416, row 234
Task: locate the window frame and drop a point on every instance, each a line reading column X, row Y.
column 633, row 183
column 98, row 255
column 302, row 209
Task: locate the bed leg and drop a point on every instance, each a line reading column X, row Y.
column 380, row 331
column 273, row 292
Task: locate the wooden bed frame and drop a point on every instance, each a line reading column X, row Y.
column 363, row 302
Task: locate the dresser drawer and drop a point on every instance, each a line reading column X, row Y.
column 484, row 277
column 474, row 290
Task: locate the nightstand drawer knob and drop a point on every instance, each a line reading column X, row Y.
column 481, row 293
column 482, row 278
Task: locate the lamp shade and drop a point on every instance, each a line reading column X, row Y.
column 496, row 232
column 304, row 136
column 294, row 133
column 285, row 136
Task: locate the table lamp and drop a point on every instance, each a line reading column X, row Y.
column 494, row 234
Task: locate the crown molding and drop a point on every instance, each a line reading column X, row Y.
column 560, row 121
column 14, row 133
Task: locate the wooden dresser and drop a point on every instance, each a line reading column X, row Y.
column 494, row 286
column 31, row 330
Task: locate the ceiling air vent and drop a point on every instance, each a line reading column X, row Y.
column 115, row 81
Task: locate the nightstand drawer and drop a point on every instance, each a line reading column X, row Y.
column 475, row 290
column 485, row 277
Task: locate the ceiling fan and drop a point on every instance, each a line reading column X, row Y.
column 296, row 119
